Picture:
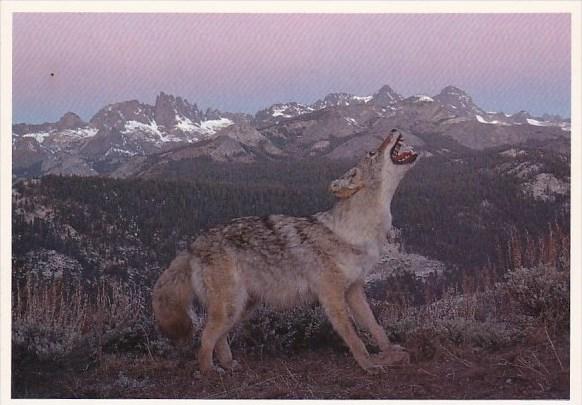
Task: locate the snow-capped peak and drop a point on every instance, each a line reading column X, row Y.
column 340, row 99
column 171, row 112
column 283, row 110
column 458, row 102
column 386, row 97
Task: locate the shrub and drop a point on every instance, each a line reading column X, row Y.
column 54, row 319
column 269, row 330
column 541, row 292
column 469, row 319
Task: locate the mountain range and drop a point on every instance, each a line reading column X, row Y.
column 130, row 137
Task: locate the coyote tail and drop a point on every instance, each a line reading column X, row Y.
column 172, row 299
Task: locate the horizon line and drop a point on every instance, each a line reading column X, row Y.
column 185, row 98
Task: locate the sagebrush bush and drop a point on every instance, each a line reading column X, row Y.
column 47, row 319
column 541, row 292
column 463, row 319
column 269, row 330
column 51, row 319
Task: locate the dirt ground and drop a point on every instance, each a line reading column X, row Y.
column 535, row 371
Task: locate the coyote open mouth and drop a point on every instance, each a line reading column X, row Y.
column 406, row 157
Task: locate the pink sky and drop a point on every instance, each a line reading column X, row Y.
column 244, row 62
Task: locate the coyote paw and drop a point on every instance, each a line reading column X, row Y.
column 232, row 365
column 235, row 366
column 216, row 370
column 394, row 348
column 395, row 356
column 374, row 369
column 370, row 366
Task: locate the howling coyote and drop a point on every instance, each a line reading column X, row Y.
column 282, row 261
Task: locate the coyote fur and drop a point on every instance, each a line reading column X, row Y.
column 282, row 261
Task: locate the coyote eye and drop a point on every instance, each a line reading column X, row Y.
column 371, row 154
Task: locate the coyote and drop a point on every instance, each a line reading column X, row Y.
column 282, row 261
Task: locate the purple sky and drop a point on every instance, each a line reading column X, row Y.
column 245, row 62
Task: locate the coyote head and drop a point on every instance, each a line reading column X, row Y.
column 388, row 164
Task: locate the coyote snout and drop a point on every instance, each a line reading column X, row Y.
column 281, row 261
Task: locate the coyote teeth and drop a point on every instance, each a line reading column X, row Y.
column 401, row 158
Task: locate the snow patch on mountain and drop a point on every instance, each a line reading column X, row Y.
column 80, row 133
column 492, row 122
column 363, row 99
column 208, row 127
column 421, row 98
column 352, row 121
column 38, row 136
column 184, row 124
column 212, row 126
column 537, row 123
column 484, row 121
column 280, row 112
column 340, row 100
column 120, row 151
column 289, row 110
column 320, row 145
column 54, row 137
column 133, row 126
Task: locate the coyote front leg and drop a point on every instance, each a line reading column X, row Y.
column 333, row 300
column 356, row 297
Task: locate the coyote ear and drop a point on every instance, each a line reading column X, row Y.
column 348, row 184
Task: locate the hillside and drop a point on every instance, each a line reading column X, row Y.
column 467, row 209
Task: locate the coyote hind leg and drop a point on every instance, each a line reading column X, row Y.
column 215, row 336
column 225, row 304
column 223, row 348
column 216, row 326
column 223, row 352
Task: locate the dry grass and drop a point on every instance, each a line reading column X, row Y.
column 52, row 319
